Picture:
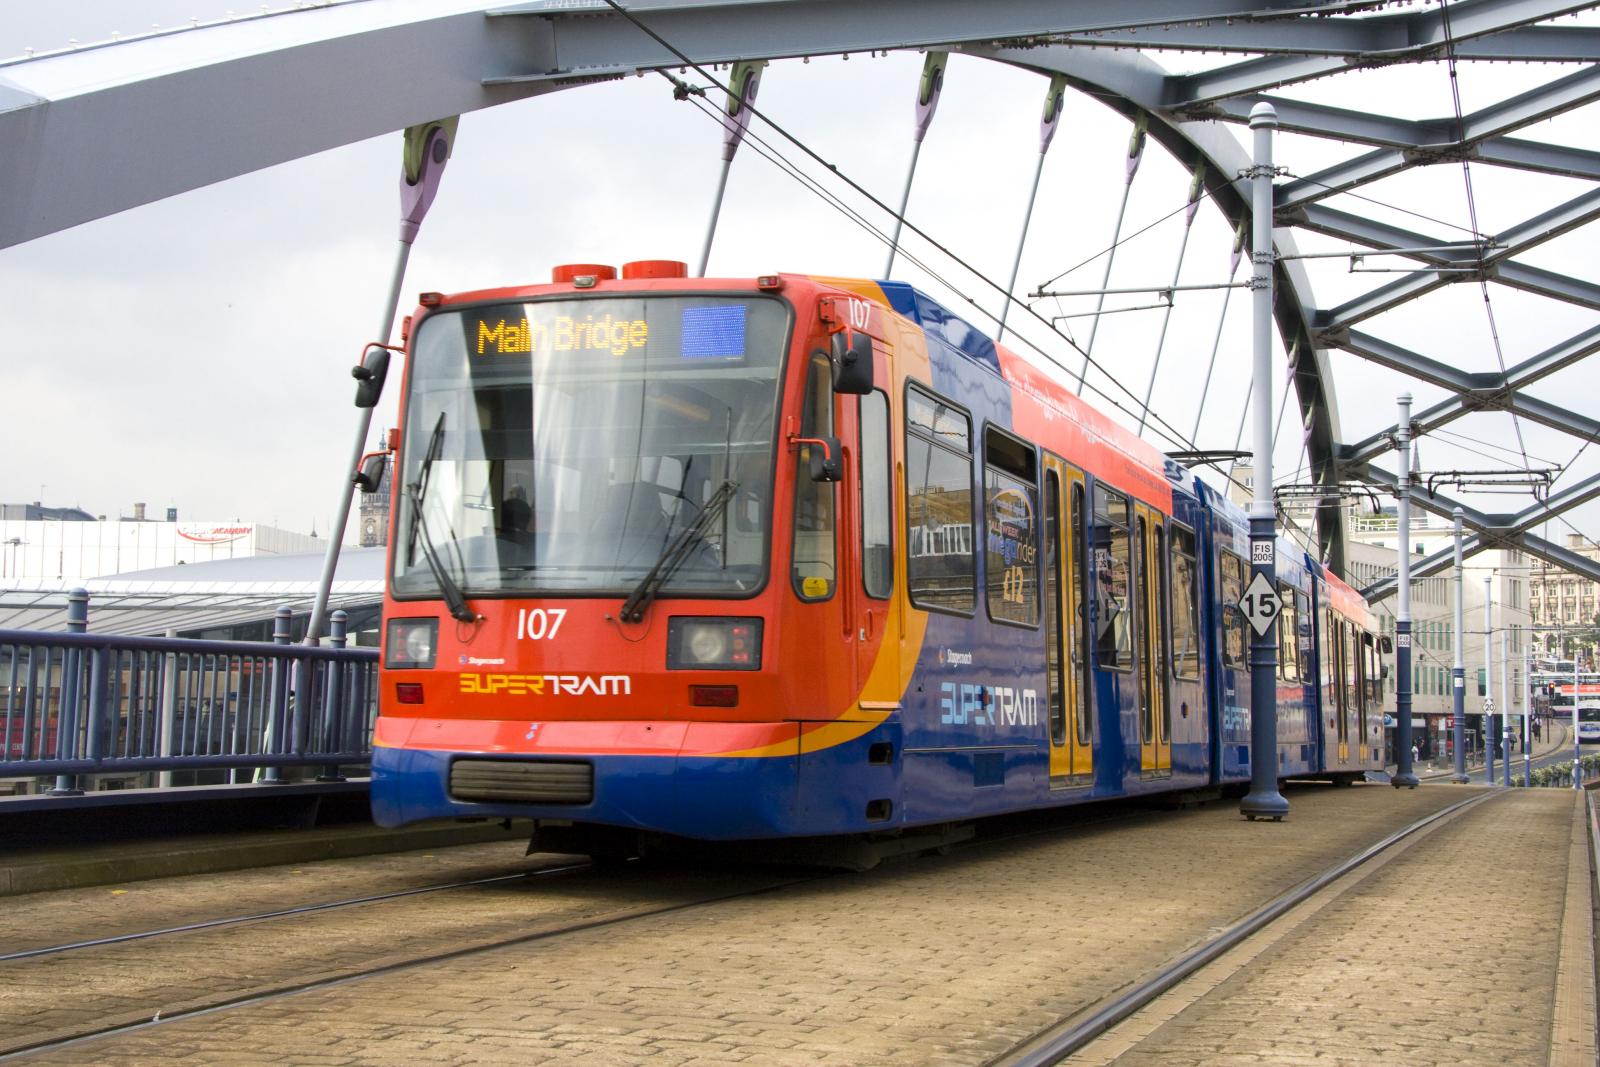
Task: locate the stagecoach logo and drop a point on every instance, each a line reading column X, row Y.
column 950, row 657
column 482, row 661
column 211, row 535
column 555, row 685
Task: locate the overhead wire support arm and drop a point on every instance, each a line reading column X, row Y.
column 1135, row 154
column 742, row 86
column 1538, row 480
column 928, row 90
column 1053, row 101
column 1196, row 187
column 1040, row 294
column 1240, row 234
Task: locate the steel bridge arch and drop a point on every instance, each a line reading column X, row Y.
column 92, row 131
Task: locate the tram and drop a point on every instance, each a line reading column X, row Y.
column 796, row 556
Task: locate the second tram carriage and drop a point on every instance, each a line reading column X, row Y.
column 797, row 556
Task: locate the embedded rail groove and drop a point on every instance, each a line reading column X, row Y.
column 252, row 997
column 1055, row 1043
column 283, row 913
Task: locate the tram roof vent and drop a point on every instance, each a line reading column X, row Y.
column 571, row 272
column 655, row 268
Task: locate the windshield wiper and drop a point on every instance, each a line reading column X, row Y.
column 454, row 598
column 674, row 554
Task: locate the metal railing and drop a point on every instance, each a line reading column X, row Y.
column 79, row 703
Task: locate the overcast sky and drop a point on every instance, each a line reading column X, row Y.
column 195, row 352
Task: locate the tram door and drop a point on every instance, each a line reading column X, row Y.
column 1155, row 712
column 1333, row 684
column 1066, row 627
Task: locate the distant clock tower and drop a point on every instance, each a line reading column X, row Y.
column 375, row 514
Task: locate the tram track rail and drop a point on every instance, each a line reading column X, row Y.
column 129, row 1022
column 283, row 913
column 1055, row 1043
column 112, row 1027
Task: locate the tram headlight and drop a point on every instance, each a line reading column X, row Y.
column 411, row 644
column 713, row 644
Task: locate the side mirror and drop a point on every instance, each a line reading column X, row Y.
column 826, row 462
column 370, row 475
column 852, row 362
column 1386, row 645
column 369, row 375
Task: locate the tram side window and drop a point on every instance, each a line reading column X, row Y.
column 1159, row 640
column 1010, row 508
column 1288, row 628
column 1332, row 654
column 877, row 488
column 1325, row 652
column 1185, row 613
column 940, row 570
column 1113, row 614
column 1233, row 645
column 812, row 571
column 1077, row 618
column 1052, row 608
column 1352, row 685
column 1374, row 675
column 1302, row 636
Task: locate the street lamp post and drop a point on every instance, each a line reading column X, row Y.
column 1458, row 672
column 1404, row 774
column 1263, row 801
column 1488, row 680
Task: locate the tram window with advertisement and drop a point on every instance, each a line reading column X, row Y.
column 557, row 446
column 1113, row 604
column 1010, row 507
column 1288, row 628
column 1234, row 644
column 1185, row 605
column 941, row 573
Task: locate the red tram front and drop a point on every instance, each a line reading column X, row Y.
column 633, row 580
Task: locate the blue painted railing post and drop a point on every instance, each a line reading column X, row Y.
column 67, row 708
column 333, row 696
column 277, row 719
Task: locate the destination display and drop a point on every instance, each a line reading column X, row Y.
column 666, row 329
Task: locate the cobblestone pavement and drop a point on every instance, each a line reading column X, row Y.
column 39, row 920
column 929, row 961
column 1446, row 955
column 46, row 997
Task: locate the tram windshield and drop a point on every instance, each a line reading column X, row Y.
column 562, row 446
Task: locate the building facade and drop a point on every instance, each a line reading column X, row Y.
column 46, row 544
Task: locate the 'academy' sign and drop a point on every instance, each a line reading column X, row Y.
column 202, row 534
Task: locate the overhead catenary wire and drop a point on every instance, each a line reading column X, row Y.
column 1130, row 169
column 1222, row 318
column 764, row 149
column 1159, row 424
column 1472, row 210
column 1196, row 184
